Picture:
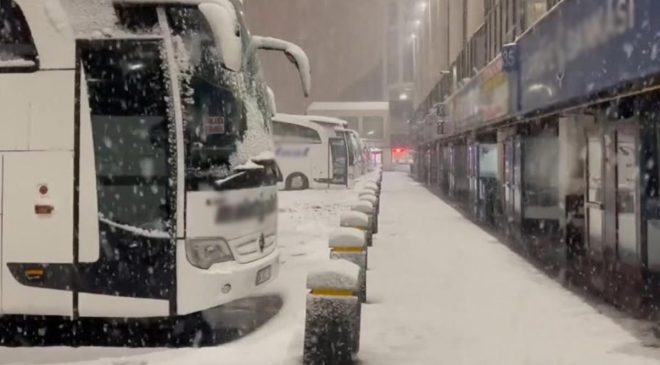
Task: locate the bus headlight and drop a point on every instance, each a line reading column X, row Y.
column 204, row 253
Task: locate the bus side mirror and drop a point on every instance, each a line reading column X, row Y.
column 221, row 16
column 294, row 53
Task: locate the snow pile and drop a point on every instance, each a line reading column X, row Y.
column 354, row 219
column 363, row 207
column 334, row 274
column 346, row 237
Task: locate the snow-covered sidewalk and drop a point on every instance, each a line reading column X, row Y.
column 443, row 291
column 440, row 291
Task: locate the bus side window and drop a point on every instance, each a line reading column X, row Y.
column 17, row 50
column 287, row 132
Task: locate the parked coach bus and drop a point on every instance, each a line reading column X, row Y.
column 312, row 151
column 125, row 145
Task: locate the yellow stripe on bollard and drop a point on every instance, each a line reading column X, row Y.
column 347, row 249
column 333, row 292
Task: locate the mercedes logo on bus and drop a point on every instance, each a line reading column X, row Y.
column 262, row 243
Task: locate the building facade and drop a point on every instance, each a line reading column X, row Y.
column 545, row 126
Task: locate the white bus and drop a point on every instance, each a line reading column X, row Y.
column 127, row 188
column 371, row 120
column 311, row 151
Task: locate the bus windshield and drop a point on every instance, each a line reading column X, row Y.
column 215, row 117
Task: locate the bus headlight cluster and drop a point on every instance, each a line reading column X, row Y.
column 206, row 252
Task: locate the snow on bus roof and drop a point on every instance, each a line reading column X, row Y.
column 348, row 106
column 311, row 118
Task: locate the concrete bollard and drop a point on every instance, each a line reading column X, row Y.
column 357, row 220
column 367, row 208
column 332, row 323
column 374, row 201
column 349, row 244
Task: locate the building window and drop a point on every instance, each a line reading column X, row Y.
column 534, row 10
column 353, row 123
column 373, row 127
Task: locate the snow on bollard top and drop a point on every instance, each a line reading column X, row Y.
column 369, row 198
column 370, row 185
column 354, row 219
column 363, row 207
column 367, row 192
column 347, row 237
column 334, row 275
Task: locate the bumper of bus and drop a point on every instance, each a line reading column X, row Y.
column 198, row 289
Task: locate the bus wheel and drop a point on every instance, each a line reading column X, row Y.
column 297, row 181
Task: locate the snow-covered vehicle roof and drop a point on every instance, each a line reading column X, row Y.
column 366, row 105
column 310, row 118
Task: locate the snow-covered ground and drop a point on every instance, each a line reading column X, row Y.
column 441, row 291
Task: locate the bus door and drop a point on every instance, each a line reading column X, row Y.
column 125, row 253
column 338, row 160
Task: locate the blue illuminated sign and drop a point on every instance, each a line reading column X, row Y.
column 584, row 47
column 509, row 57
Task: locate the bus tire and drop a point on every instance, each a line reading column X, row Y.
column 297, row 181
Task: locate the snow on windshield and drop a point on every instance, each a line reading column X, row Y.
column 258, row 139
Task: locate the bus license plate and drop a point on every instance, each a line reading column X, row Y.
column 263, row 275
